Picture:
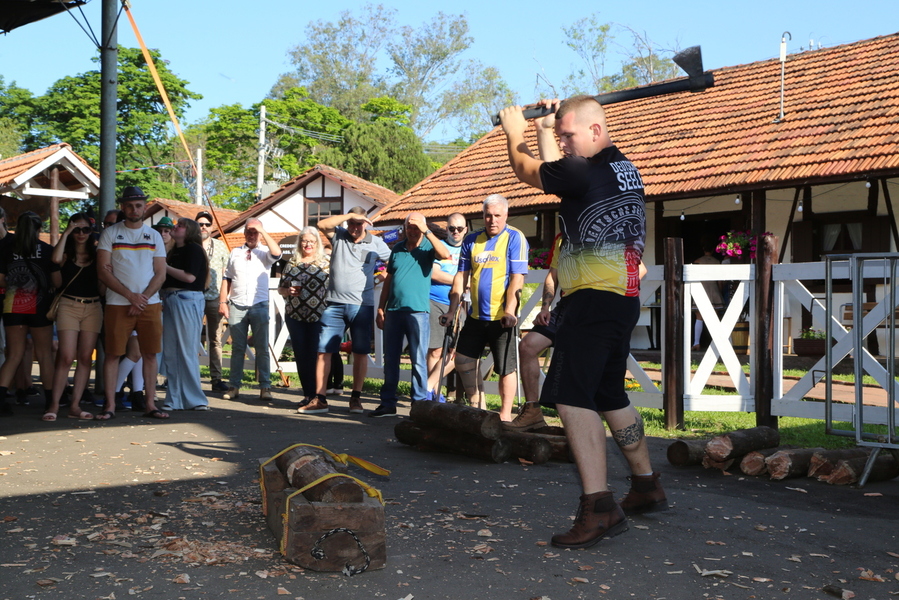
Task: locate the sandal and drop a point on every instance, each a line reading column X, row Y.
column 83, row 415
column 156, row 414
column 106, row 415
column 49, row 417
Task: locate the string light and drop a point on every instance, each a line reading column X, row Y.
column 868, row 184
column 682, row 215
column 799, row 208
column 737, row 199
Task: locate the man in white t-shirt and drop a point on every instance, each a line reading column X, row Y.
column 243, row 300
column 131, row 264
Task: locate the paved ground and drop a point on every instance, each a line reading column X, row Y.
column 125, row 508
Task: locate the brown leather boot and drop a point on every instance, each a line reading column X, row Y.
column 598, row 517
column 645, row 496
column 529, row 417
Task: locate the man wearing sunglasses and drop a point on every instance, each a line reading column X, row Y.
column 441, row 282
column 217, row 257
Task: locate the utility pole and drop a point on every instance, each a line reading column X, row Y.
column 260, row 169
column 200, row 176
column 108, row 105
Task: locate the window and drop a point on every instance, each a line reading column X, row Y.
column 322, row 208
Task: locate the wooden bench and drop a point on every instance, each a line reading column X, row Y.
column 847, row 311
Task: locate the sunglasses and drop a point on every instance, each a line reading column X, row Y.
column 452, row 229
column 201, row 224
column 81, row 230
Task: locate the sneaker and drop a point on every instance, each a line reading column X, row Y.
column 645, row 496
column 233, row 393
column 219, row 386
column 384, row 410
column 265, row 395
column 304, row 402
column 334, row 392
column 356, row 405
column 137, row 402
column 21, row 397
column 121, row 402
column 529, row 417
column 316, row 406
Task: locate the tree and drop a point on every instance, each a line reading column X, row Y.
column 16, row 105
column 295, row 131
column 338, row 64
column 381, row 152
column 70, row 112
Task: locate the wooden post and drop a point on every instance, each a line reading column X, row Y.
column 762, row 354
column 54, row 206
column 673, row 344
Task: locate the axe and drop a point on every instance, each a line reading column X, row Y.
column 690, row 60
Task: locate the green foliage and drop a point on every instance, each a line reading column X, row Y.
column 16, row 106
column 389, row 110
column 381, row 152
column 70, row 112
column 338, row 64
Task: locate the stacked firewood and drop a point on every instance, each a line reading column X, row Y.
column 757, row 451
column 469, row 431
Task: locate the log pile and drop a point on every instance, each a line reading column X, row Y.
column 757, row 452
column 332, row 526
column 469, row 431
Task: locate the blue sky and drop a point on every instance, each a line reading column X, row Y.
column 232, row 52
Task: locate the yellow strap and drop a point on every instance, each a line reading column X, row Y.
column 371, row 491
column 341, row 458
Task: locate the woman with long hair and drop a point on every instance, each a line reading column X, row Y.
column 80, row 314
column 183, row 305
column 304, row 285
column 30, row 276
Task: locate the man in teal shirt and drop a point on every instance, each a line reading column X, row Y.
column 404, row 309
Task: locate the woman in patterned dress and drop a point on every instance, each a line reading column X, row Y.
column 304, row 284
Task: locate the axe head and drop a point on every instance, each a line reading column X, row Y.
column 690, row 60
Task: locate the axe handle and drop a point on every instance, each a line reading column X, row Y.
column 692, row 84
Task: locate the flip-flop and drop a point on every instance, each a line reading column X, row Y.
column 106, row 415
column 83, row 415
column 49, row 417
column 156, row 414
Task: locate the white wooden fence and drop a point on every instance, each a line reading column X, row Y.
column 789, row 294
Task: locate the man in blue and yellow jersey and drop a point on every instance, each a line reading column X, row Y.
column 603, row 222
column 493, row 263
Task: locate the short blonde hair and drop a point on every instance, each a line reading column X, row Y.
column 318, row 253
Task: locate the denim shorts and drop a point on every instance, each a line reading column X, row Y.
column 337, row 318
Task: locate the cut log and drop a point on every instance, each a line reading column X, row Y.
column 824, row 462
column 686, row 453
column 754, row 463
column 464, row 419
column 444, row 440
column 303, row 465
column 558, row 443
column 786, row 464
column 741, row 442
column 724, row 465
column 529, row 446
column 850, row 471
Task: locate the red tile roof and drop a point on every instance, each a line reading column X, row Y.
column 841, row 123
column 374, row 192
column 190, row 210
column 12, row 167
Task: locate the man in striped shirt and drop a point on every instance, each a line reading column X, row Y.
column 493, row 262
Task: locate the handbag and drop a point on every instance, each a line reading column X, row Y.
column 54, row 306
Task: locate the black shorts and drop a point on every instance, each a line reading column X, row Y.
column 549, row 331
column 476, row 335
column 36, row 320
column 591, row 349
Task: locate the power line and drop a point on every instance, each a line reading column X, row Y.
column 327, row 137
